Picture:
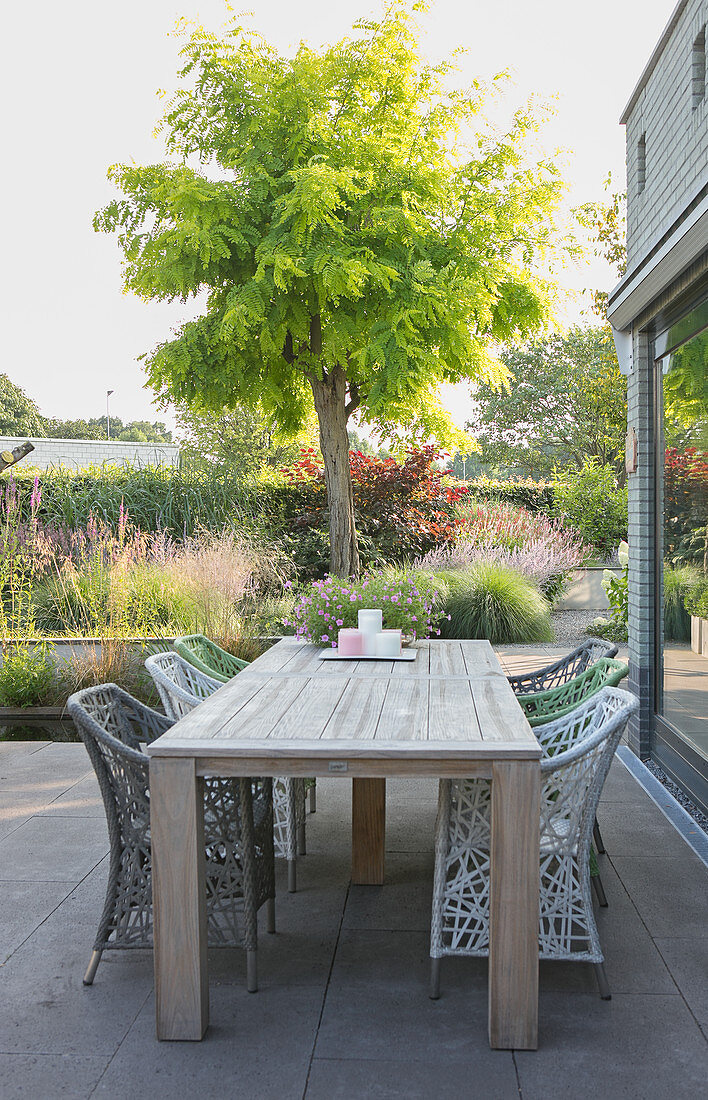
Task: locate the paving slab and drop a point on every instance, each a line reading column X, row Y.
column 670, row 894
column 23, row 907
column 41, row 851
column 344, row 1079
column 687, row 961
column 258, row 1045
column 633, row 1047
column 46, row 1076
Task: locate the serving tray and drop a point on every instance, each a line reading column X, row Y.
column 334, row 655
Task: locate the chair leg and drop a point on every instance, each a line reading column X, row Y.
column 434, row 979
column 270, row 915
column 292, row 876
column 301, row 848
column 602, row 982
column 92, row 967
column 252, row 971
column 313, row 799
column 597, row 836
column 599, row 891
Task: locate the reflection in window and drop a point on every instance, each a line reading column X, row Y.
column 685, row 398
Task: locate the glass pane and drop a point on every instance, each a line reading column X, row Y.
column 685, row 650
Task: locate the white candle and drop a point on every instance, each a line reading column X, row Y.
column 370, row 623
column 388, row 643
column 350, row 643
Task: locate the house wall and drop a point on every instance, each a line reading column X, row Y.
column 676, row 139
column 77, row 454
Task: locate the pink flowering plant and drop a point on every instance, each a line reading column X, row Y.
column 410, row 602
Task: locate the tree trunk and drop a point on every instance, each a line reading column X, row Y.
column 330, row 397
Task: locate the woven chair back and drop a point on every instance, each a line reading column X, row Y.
column 181, row 686
column 208, row 657
column 543, row 706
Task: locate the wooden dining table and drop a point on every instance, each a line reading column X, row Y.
column 448, row 713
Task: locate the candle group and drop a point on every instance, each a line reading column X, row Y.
column 370, row 639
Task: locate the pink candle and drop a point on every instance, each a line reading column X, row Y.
column 350, row 642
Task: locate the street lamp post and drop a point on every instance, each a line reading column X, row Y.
column 108, row 415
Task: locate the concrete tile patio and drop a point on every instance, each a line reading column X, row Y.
column 342, row 1009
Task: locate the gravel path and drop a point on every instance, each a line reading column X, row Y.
column 570, row 625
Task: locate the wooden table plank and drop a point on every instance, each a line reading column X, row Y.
column 404, row 715
column 257, row 718
column 447, row 660
column 356, row 715
column 500, row 716
column 452, row 713
column 311, row 710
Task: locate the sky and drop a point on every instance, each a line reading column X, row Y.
column 79, row 86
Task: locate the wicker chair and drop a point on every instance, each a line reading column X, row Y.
column 237, row 828
column 567, row 668
column 182, row 687
column 584, row 743
column 208, row 657
column 544, row 706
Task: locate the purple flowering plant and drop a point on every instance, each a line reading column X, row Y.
column 410, row 602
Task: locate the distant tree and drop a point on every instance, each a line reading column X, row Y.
column 363, row 237
column 135, row 431
column 18, row 413
column 237, row 438
column 565, row 401
column 607, row 222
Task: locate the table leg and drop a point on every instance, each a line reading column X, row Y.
column 179, row 899
column 513, row 917
column 368, row 831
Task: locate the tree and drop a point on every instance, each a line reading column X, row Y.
column 565, row 401
column 18, row 413
column 607, row 222
column 239, row 438
column 362, row 237
column 135, row 431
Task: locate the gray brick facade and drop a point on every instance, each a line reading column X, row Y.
column 667, row 244
column 78, row 454
column 674, row 125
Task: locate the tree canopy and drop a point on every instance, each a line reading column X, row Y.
column 134, row 431
column 565, row 401
column 361, row 233
column 18, row 413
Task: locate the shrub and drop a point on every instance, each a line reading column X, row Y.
column 678, row 585
column 491, row 601
column 28, row 677
column 409, row 603
column 591, row 501
column 696, row 599
column 611, row 629
column 536, row 547
column 536, row 496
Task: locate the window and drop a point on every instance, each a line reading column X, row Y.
column 641, row 163
column 698, row 69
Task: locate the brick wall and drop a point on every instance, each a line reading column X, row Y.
column 676, row 137
column 77, row 454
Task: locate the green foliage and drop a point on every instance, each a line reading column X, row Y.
column 178, row 501
column 18, row 413
column 617, row 588
column 565, row 401
column 135, row 431
column 590, row 500
column 491, row 601
column 678, row 585
column 696, row 599
column 363, row 236
column 607, row 222
column 239, row 440
column 28, row 677
column 535, row 496
column 611, row 629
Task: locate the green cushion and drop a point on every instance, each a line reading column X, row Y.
column 543, row 706
column 208, row 657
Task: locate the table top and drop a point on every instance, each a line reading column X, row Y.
column 452, row 704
